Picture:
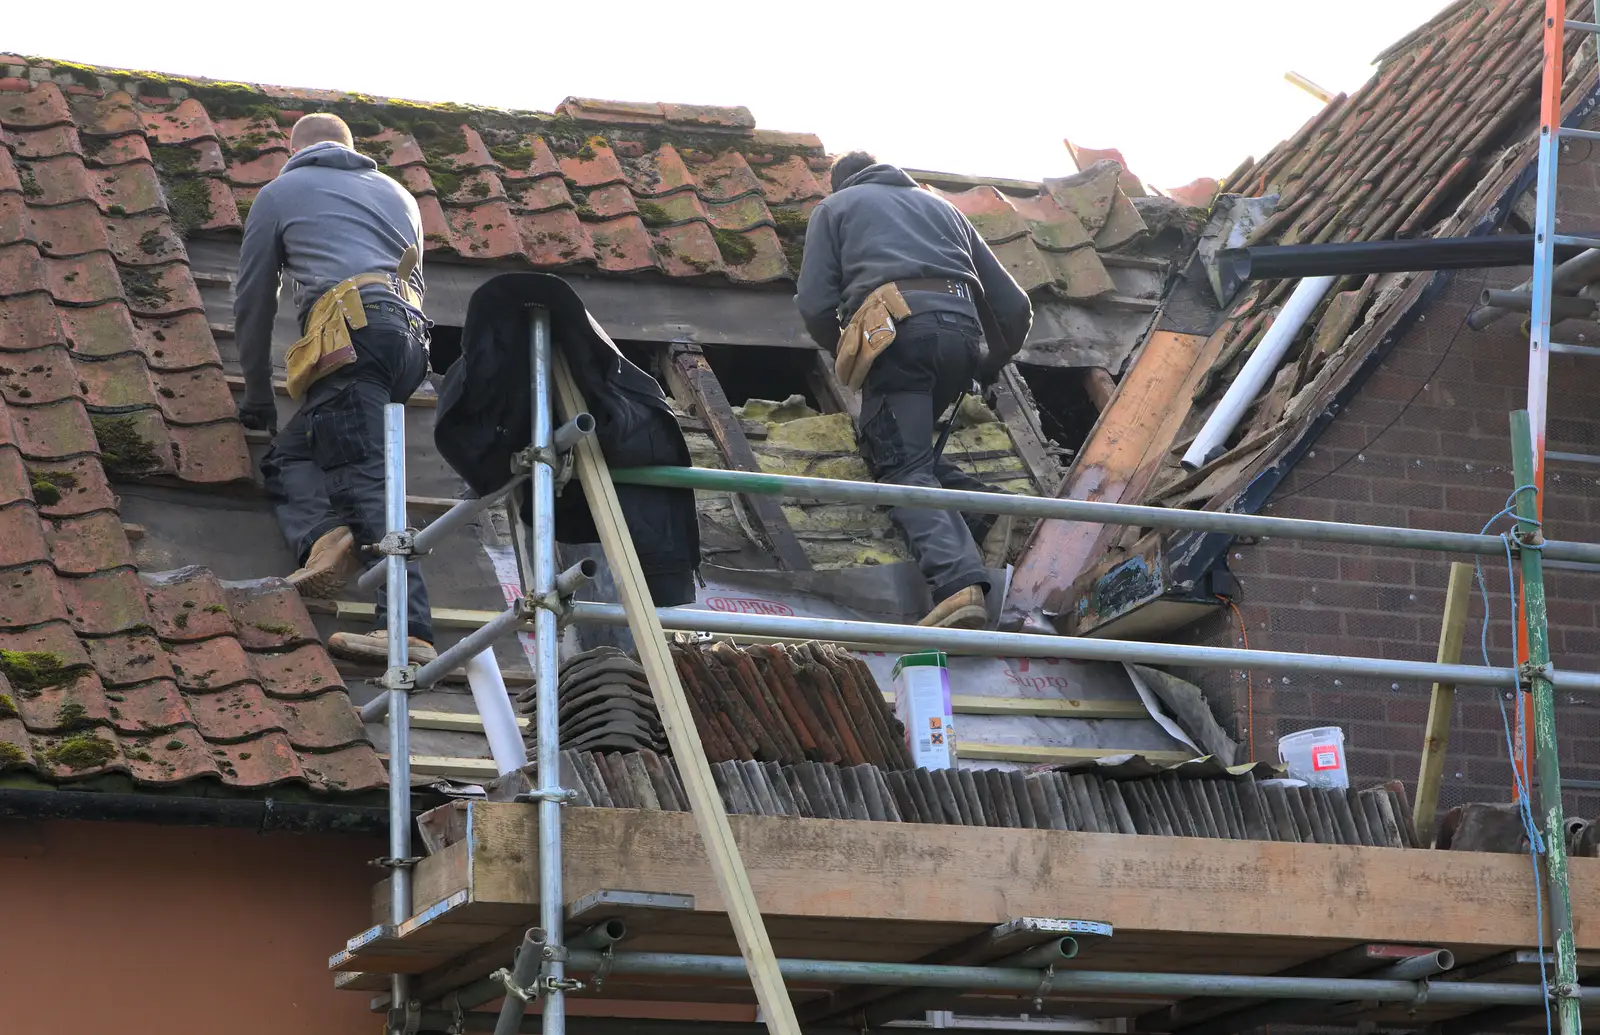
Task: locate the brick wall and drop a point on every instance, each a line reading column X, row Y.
column 1426, row 444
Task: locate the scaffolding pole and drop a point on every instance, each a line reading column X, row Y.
column 1166, row 518
column 552, row 983
column 396, row 679
column 1081, row 648
column 1026, row 982
column 1537, row 650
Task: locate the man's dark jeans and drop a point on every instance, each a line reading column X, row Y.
column 930, row 362
column 325, row 468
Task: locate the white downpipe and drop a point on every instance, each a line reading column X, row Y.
column 494, row 706
column 1258, row 369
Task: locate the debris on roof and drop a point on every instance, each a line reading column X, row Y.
column 1431, row 145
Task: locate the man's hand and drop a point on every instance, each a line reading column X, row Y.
column 989, row 370
column 259, row 417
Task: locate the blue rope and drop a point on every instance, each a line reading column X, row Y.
column 1530, row 824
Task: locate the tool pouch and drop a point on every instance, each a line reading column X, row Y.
column 869, row 332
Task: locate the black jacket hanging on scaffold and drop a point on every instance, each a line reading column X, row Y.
column 485, row 416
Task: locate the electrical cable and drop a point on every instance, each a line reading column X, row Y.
column 1443, row 358
column 1249, row 683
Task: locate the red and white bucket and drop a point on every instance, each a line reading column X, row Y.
column 1316, row 756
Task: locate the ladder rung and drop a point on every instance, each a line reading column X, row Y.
column 1574, row 350
column 1573, row 26
column 1574, row 133
column 1572, row 458
column 1573, row 241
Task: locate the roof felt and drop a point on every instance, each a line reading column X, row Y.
column 1420, row 150
column 108, row 369
column 680, row 191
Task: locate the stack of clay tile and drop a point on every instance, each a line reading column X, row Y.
column 1233, row 807
column 604, row 704
column 807, row 702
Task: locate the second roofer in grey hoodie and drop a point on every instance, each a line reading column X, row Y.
column 349, row 238
column 877, row 228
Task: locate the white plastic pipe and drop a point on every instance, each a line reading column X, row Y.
column 1258, row 370
column 494, row 706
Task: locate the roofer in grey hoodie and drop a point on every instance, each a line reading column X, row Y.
column 878, row 227
column 329, row 216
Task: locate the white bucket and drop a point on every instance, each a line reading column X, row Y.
column 1316, row 756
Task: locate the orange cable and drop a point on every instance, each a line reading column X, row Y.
column 1249, row 682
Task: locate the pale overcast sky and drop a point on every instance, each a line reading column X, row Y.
column 1183, row 88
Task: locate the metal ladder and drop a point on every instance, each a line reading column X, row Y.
column 1532, row 641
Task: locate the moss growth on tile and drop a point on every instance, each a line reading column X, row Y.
column 141, row 756
column 215, row 609
column 8, row 707
column 116, row 210
column 144, row 287
column 586, row 213
column 276, row 628
column 479, row 189
column 83, row 751
column 189, row 204
column 151, row 242
column 29, row 671
column 445, row 181
column 790, row 222
column 243, row 205
column 175, row 160
column 181, row 619
column 30, row 185
column 377, row 150
column 50, row 486
column 11, row 755
column 71, row 715
column 653, row 215
column 736, row 249
column 515, row 157
column 174, row 745
column 122, row 451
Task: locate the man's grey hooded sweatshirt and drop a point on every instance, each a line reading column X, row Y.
column 330, row 215
column 880, row 226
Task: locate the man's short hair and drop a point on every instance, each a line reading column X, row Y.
column 318, row 127
column 846, row 166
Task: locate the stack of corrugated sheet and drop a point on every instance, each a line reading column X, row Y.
column 1240, row 807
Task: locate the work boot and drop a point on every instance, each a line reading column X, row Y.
column 374, row 646
column 330, row 565
column 963, row 609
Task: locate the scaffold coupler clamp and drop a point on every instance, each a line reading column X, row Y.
column 1531, row 538
column 549, row 982
column 406, row 1020
column 1560, row 990
column 1046, row 979
column 1527, row 672
column 397, row 544
column 403, row 678
column 1420, row 1000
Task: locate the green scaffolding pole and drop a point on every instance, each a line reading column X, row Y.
column 1537, row 632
